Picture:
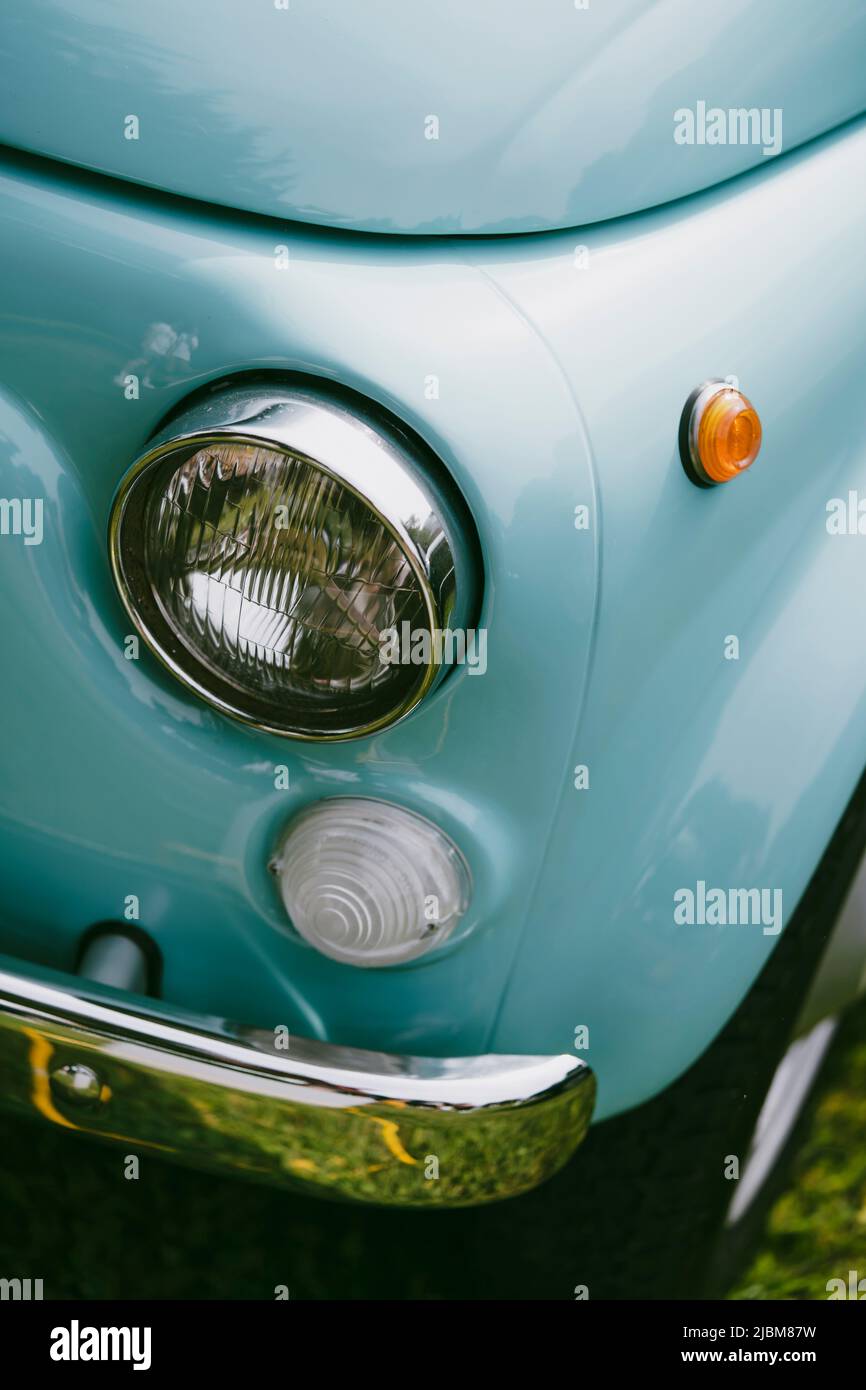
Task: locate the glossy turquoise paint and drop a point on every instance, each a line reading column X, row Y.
column 550, row 114
column 558, row 386
column 734, row 772
column 151, row 793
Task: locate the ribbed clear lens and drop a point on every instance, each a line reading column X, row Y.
column 280, row 580
column 369, row 883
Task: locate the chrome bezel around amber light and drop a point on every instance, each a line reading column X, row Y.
column 384, row 468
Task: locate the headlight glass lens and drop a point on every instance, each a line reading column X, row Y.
column 292, row 561
column 281, row 581
column 370, row 883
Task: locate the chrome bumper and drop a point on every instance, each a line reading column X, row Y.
column 375, row 1127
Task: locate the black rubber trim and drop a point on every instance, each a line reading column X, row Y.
column 691, row 471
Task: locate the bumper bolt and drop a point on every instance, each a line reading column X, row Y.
column 78, row 1085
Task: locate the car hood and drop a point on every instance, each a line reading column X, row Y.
column 386, row 116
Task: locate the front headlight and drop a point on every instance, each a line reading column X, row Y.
column 281, row 553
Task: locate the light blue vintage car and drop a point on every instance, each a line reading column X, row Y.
column 432, row 514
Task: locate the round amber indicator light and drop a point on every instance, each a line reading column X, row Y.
column 720, row 434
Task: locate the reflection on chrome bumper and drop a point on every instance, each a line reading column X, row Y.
column 376, row 1127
